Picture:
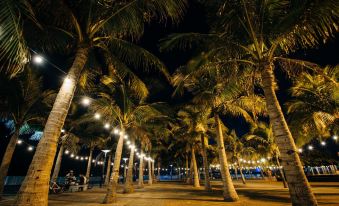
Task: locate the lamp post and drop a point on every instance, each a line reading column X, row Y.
column 105, row 151
column 171, row 170
column 125, row 159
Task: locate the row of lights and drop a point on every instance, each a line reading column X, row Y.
column 86, row 102
column 322, row 143
column 29, row 148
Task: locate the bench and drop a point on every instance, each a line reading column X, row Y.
column 78, row 188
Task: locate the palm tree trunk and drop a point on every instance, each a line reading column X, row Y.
column 153, row 174
column 236, row 172
column 242, row 175
column 111, row 195
column 128, row 187
column 299, row 188
column 206, row 166
column 7, row 158
column 34, row 189
column 89, row 164
column 282, row 173
column 159, row 169
column 190, row 174
column 195, row 168
column 150, row 180
column 58, row 164
column 108, row 169
column 229, row 192
column 141, row 172
column 186, row 167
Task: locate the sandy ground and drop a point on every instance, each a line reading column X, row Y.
column 256, row 193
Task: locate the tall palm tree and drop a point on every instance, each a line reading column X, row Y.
column 215, row 88
column 121, row 101
column 92, row 24
column 23, row 101
column 314, row 105
column 264, row 32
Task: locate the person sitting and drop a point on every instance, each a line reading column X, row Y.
column 70, row 179
column 82, row 179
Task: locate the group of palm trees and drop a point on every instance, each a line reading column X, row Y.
column 232, row 74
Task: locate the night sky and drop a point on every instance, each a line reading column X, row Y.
column 193, row 21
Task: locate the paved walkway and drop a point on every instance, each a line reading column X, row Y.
column 177, row 194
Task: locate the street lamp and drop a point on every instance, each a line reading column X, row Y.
column 105, row 151
column 125, row 159
column 171, row 170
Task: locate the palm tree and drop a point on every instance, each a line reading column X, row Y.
column 14, row 53
column 264, row 32
column 215, row 88
column 96, row 26
column 198, row 120
column 24, row 102
column 122, row 102
column 314, row 105
column 68, row 142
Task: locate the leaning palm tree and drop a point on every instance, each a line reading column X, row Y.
column 23, row 101
column 215, row 88
column 121, row 101
column 100, row 24
column 313, row 111
column 264, row 32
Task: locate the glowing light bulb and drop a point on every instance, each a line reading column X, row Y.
column 38, row 59
column 300, row 150
column 126, row 136
column 30, row 148
column 310, row 147
column 72, row 155
column 335, row 137
column 62, row 130
column 97, row 116
column 66, row 152
column 86, row 101
column 106, row 126
column 116, row 131
column 19, row 141
column 128, row 142
column 323, row 143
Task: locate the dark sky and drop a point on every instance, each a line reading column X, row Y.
column 193, row 22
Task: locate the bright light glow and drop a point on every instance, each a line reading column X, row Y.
column 310, row 147
column 68, row 81
column 263, row 160
column 111, row 164
column 86, row 158
column 126, row 136
column 30, row 148
column 335, row 137
column 19, row 141
column 38, row 59
column 81, row 158
column 77, row 157
column 116, row 131
column 105, row 151
column 300, row 150
column 323, row 143
column 97, row 116
column 62, row 130
column 66, row 152
column 128, row 142
column 72, row 155
column 86, row 101
column 135, row 150
column 93, row 161
column 138, row 154
column 106, row 126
